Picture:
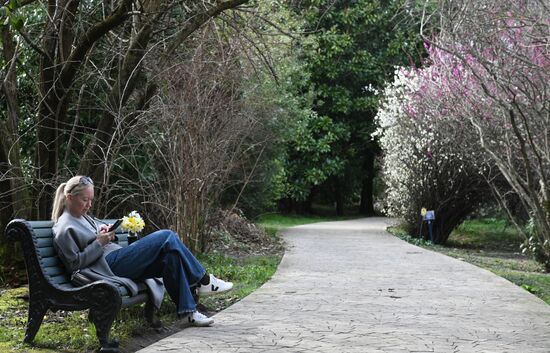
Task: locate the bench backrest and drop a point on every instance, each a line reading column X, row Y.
column 50, row 264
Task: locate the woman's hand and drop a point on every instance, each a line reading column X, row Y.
column 104, row 236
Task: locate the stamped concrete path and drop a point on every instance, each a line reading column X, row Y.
column 351, row 287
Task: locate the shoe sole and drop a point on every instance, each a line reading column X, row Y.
column 207, row 294
column 202, row 324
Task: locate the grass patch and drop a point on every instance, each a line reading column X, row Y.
column 71, row 332
column 247, row 274
column 274, row 222
column 493, row 245
column 486, row 234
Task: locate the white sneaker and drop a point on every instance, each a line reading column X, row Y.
column 215, row 286
column 197, row 319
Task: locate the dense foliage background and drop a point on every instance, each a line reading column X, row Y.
column 190, row 111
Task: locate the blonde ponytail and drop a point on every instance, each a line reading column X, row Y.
column 58, row 202
column 73, row 187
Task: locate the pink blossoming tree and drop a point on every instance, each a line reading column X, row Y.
column 488, row 73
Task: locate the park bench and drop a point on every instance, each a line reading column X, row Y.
column 50, row 286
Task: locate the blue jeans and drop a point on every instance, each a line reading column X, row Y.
column 161, row 254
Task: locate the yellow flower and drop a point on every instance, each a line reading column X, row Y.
column 132, row 223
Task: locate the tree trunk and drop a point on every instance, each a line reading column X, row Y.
column 367, row 202
column 46, row 134
column 10, row 157
column 6, row 209
column 46, row 165
column 9, row 251
column 339, row 198
column 309, row 201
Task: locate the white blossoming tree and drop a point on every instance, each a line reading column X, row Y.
column 430, row 160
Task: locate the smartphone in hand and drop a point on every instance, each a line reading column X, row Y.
column 115, row 225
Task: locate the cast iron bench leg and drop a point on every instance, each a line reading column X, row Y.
column 106, row 305
column 37, row 310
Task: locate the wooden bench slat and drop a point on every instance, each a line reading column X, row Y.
column 142, row 289
column 41, row 224
column 43, row 233
column 60, row 279
column 51, row 261
column 44, row 242
column 46, row 252
column 54, row 271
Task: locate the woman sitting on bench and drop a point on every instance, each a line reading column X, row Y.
column 85, row 248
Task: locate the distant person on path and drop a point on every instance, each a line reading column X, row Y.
column 85, row 248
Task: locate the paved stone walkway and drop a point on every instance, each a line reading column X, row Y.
column 351, row 287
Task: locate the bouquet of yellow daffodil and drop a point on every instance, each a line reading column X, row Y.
column 132, row 223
